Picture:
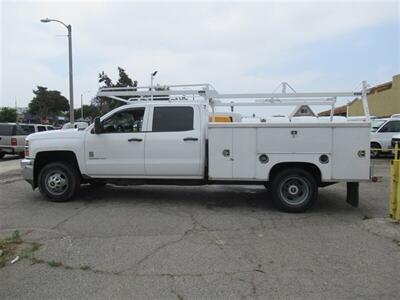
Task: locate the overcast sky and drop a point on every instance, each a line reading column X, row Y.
column 236, row 46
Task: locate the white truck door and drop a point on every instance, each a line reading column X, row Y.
column 386, row 132
column 119, row 150
column 173, row 144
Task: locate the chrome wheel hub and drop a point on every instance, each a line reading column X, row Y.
column 56, row 182
column 294, row 190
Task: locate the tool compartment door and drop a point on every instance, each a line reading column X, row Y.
column 220, row 153
column 244, row 153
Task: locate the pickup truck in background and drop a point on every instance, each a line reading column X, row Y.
column 151, row 141
column 12, row 136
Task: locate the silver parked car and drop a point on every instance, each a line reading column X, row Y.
column 12, row 136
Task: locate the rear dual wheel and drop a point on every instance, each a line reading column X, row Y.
column 294, row 190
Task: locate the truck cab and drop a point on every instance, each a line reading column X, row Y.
column 152, row 140
column 382, row 132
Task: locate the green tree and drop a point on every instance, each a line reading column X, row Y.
column 8, row 114
column 124, row 79
column 103, row 77
column 47, row 103
column 105, row 104
column 89, row 112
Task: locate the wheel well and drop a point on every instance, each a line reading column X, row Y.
column 45, row 157
column 379, row 145
column 311, row 168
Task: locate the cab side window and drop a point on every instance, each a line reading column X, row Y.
column 126, row 121
column 41, row 128
column 175, row 118
column 28, row 128
column 391, row 126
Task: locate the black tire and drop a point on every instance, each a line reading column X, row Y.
column 2, row 154
column 294, row 190
column 375, row 153
column 58, row 181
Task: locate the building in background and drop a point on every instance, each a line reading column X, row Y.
column 339, row 111
column 383, row 101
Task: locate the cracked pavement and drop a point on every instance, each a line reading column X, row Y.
column 214, row 242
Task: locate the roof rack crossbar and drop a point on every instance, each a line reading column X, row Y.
column 206, row 93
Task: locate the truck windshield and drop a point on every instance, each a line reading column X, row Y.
column 375, row 124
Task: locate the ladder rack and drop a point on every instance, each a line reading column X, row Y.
column 206, row 93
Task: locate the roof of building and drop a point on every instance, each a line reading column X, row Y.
column 298, row 111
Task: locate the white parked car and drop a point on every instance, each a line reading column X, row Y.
column 172, row 142
column 382, row 132
column 78, row 125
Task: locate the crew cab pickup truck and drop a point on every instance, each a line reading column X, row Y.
column 172, row 142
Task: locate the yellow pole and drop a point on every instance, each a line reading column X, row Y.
column 394, row 204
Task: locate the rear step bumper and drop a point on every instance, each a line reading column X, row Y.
column 8, row 150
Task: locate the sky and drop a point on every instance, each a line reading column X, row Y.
column 236, row 46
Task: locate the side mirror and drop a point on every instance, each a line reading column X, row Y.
column 98, row 128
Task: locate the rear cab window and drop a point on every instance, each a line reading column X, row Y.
column 7, row 129
column 172, row 118
column 41, row 128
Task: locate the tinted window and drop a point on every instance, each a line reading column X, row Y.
column 392, row 126
column 50, row 128
column 125, row 121
column 6, row 129
column 28, row 128
column 172, row 119
column 41, row 128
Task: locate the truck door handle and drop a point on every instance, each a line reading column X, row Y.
column 190, row 139
column 135, row 140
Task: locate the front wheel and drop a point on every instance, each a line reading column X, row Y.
column 375, row 150
column 294, row 190
column 58, row 181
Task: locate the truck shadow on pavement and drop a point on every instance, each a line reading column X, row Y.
column 209, row 197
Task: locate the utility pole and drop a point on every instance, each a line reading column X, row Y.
column 71, row 84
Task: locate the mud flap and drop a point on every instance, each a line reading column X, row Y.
column 352, row 193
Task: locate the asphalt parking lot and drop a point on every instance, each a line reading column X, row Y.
column 225, row 242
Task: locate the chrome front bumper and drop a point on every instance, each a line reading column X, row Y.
column 27, row 170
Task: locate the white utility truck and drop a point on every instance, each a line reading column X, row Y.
column 171, row 141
